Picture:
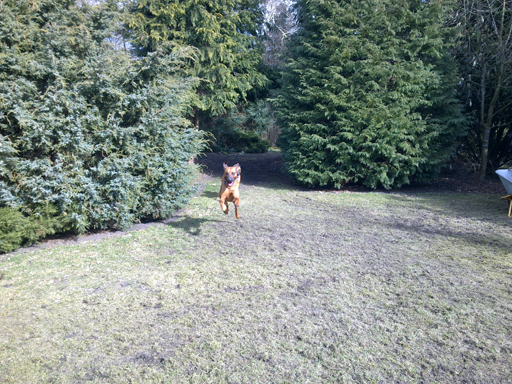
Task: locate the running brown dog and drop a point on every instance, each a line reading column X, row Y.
column 229, row 188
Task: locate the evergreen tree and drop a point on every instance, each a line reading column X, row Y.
column 224, row 34
column 368, row 93
column 99, row 138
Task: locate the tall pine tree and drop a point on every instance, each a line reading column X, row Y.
column 368, row 93
column 224, row 34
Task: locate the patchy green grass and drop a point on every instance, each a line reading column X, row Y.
column 308, row 287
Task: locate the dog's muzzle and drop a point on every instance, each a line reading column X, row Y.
column 230, row 182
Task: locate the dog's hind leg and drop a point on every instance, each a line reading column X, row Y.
column 237, row 204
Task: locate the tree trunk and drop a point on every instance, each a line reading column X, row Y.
column 484, row 150
column 487, row 122
column 484, row 155
column 195, row 119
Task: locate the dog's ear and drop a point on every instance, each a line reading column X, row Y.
column 238, row 168
column 225, row 165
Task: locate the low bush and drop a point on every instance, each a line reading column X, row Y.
column 238, row 141
column 18, row 229
column 262, row 119
column 232, row 132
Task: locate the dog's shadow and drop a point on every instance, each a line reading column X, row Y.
column 187, row 224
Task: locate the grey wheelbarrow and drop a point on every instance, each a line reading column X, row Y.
column 506, row 179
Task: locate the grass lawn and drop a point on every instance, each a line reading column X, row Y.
column 308, row 287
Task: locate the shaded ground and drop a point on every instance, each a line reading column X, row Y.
column 268, row 167
column 256, row 167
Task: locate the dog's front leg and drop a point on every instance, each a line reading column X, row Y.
column 224, row 205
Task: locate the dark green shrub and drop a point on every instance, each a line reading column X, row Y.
column 85, row 128
column 238, row 141
column 230, row 133
column 234, row 140
column 262, row 119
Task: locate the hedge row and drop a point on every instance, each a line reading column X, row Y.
column 85, row 129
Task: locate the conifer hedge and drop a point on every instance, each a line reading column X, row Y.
column 224, row 33
column 84, row 128
column 368, row 93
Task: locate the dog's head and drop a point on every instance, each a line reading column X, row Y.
column 231, row 174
